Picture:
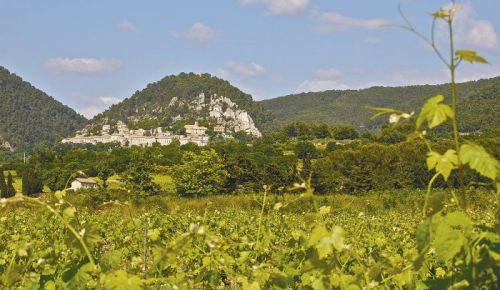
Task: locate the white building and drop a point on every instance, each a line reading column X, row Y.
column 195, row 129
column 145, row 138
column 219, row 129
column 84, row 183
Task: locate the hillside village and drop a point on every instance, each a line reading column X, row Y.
column 145, row 138
column 221, row 110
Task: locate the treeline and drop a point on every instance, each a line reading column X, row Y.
column 222, row 168
column 304, row 131
column 479, row 104
column 236, row 167
column 368, row 167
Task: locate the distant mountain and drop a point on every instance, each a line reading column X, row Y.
column 29, row 116
column 479, row 105
column 182, row 99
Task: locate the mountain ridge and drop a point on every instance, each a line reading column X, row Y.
column 348, row 107
column 29, row 116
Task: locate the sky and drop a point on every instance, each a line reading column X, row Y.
column 90, row 54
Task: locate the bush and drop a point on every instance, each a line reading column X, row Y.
column 200, row 174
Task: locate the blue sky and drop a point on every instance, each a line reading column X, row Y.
column 89, row 54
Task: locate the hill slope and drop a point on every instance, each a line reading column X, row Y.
column 29, row 116
column 182, row 99
column 479, row 106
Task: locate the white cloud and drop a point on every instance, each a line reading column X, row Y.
column 321, row 85
column 473, row 72
column 325, row 79
column 413, row 76
column 90, row 111
column 81, row 65
column 127, row 26
column 246, row 70
column 275, row 7
column 109, row 100
column 201, row 33
column 477, row 33
column 334, row 22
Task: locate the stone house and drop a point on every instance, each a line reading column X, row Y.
column 85, row 183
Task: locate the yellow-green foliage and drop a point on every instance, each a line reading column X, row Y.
column 165, row 181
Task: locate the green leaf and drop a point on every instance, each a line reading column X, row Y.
column 443, row 164
column 154, row 234
column 470, row 56
column 69, row 213
column 76, row 278
column 121, row 280
column 423, row 235
column 452, row 234
column 325, row 242
column 60, row 195
column 479, row 160
column 434, row 112
column 442, row 13
column 446, row 14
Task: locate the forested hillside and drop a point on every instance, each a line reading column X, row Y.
column 479, row 105
column 29, row 116
column 179, row 98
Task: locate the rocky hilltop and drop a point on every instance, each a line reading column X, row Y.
column 176, row 101
column 221, row 110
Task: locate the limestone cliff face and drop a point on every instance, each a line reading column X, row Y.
column 221, row 111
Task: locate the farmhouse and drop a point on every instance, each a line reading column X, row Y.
column 84, row 183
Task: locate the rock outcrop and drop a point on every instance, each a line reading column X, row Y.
column 223, row 111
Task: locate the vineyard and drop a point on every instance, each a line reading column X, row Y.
column 416, row 208
column 243, row 242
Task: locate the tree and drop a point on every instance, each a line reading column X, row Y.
column 345, row 133
column 138, row 178
column 32, row 180
column 10, row 186
column 306, row 167
column 304, row 149
column 56, row 178
column 202, row 174
column 331, row 146
column 322, row 131
column 3, row 185
column 104, row 172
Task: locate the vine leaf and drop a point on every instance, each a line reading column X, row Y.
column 69, row 213
column 443, row 164
column 470, row 56
column 452, row 235
column 446, row 14
column 121, row 280
column 325, row 242
column 478, row 159
column 442, row 13
column 434, row 112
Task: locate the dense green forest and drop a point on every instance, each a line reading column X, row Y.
column 29, row 116
column 479, row 105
